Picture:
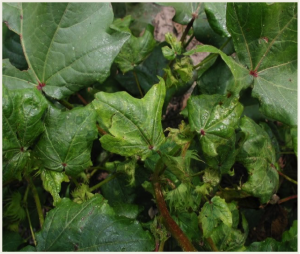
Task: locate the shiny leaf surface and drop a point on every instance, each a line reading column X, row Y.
column 67, row 141
column 91, row 226
column 134, row 124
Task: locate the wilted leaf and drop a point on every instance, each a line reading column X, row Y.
column 134, row 124
column 91, row 226
column 67, row 141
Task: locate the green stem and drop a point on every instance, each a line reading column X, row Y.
column 287, row 178
column 37, row 201
column 161, row 246
column 138, row 84
column 30, row 226
column 211, row 56
column 98, row 185
column 66, row 104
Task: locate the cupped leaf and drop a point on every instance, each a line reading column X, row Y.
column 67, row 46
column 214, row 118
column 216, row 16
column 258, row 156
column 67, row 141
column 91, row 226
column 22, row 124
column 265, row 39
column 135, row 50
column 212, row 213
column 134, row 125
column 12, row 49
column 12, row 15
column 52, row 182
column 184, row 12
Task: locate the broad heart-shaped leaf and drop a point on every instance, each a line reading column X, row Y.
column 52, row 182
column 22, row 124
column 135, row 50
column 265, row 39
column 67, row 141
column 216, row 16
column 12, row 49
column 288, row 242
column 258, row 156
column 184, row 11
column 11, row 16
column 91, row 226
column 134, row 124
column 67, row 46
column 214, row 212
column 214, row 118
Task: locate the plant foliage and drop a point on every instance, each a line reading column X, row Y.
column 94, row 158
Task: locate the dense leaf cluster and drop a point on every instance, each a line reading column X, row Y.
column 91, row 159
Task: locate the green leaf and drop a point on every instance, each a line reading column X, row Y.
column 231, row 238
column 22, row 124
column 171, row 53
column 52, row 183
column 210, row 83
column 146, row 72
column 242, row 78
column 128, row 167
column 179, row 166
column 15, row 79
column 11, row 241
column 135, row 50
column 12, row 49
column 184, row 11
column 130, row 211
column 134, row 124
column 214, row 118
column 62, row 48
column 216, row 16
column 28, row 248
column 67, row 141
column 225, row 159
column 122, row 24
column 182, row 135
column 81, row 194
column 212, row 213
column 91, row 226
column 265, row 39
column 258, row 156
column 12, row 15
column 288, row 242
column 188, row 222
